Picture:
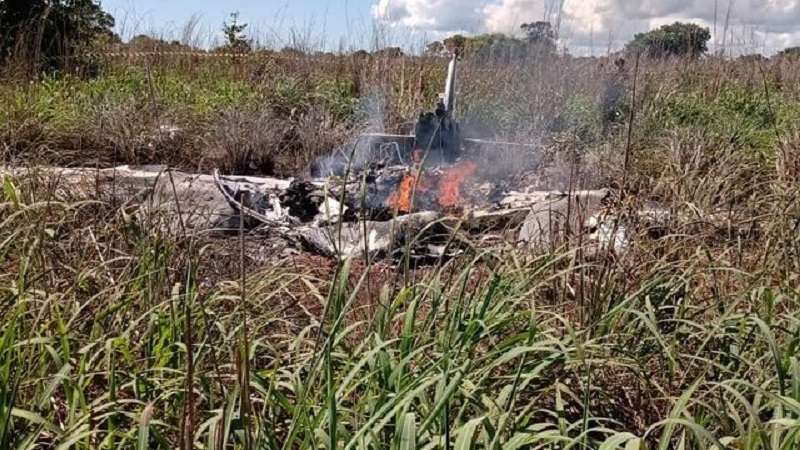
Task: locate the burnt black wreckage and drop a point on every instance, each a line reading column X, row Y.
column 437, row 139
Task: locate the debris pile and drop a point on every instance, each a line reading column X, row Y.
column 366, row 215
column 419, row 211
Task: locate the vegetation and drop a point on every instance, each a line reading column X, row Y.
column 236, row 41
column 51, row 34
column 678, row 39
column 115, row 333
column 540, row 35
column 791, row 52
column 539, row 41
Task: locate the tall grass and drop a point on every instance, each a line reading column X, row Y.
column 114, row 334
column 307, row 104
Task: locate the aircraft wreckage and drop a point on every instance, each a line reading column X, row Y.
column 425, row 195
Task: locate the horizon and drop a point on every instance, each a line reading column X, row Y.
column 585, row 29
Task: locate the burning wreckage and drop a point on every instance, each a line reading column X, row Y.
column 421, row 194
column 424, row 195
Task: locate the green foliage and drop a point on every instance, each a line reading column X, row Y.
column 790, row 52
column 689, row 341
column 496, row 46
column 745, row 118
column 540, row 35
column 581, row 118
column 52, row 33
column 145, row 43
column 677, row 39
column 236, row 40
column 338, row 97
column 455, row 43
column 435, row 48
column 539, row 41
column 63, row 103
column 289, row 94
column 467, row 356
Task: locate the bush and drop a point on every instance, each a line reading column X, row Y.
column 52, row 35
column 743, row 117
column 246, row 141
column 678, row 39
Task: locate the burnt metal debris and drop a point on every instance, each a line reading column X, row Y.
column 331, row 217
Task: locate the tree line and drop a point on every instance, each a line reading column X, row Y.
column 46, row 33
column 59, row 35
column 539, row 38
column 53, row 35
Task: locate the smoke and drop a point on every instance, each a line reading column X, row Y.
column 593, row 26
column 371, row 110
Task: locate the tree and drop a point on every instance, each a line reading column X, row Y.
column 435, row 48
column 493, row 45
column 790, row 52
column 455, row 43
column 677, row 39
column 52, row 34
column 236, row 40
column 540, row 36
column 145, row 43
column 539, row 40
column 389, row 52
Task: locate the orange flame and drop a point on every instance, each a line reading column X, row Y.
column 450, row 184
column 401, row 198
column 448, row 194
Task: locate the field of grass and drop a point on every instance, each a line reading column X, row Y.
column 115, row 334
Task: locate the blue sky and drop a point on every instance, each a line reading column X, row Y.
column 586, row 26
column 269, row 20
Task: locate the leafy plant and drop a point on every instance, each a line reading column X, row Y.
column 677, row 39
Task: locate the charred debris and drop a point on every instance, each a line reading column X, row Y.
column 430, row 193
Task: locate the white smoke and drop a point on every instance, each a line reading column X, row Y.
column 593, row 25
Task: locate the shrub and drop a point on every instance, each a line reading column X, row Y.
column 52, row 35
column 246, row 141
column 677, row 39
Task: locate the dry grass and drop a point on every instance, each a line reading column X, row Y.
column 114, row 334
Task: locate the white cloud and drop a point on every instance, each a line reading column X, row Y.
column 432, row 15
column 508, row 15
column 755, row 25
